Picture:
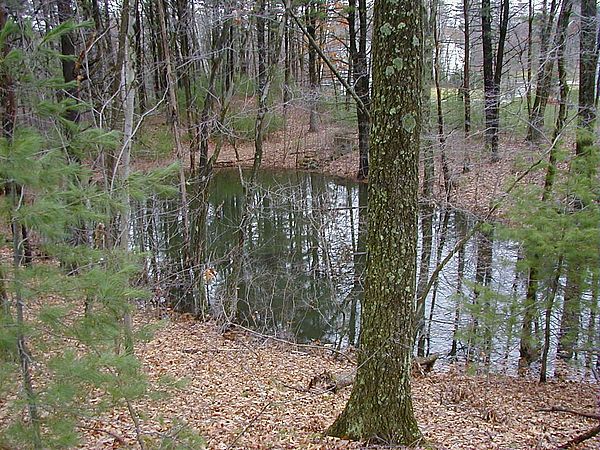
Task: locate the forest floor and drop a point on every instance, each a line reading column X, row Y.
column 247, row 391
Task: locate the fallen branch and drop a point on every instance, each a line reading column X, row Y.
column 571, row 411
column 328, row 382
column 581, row 437
column 117, row 437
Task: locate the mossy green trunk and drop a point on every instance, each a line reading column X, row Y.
column 380, row 406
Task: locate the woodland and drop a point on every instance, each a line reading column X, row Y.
column 311, row 224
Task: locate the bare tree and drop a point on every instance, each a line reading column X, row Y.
column 493, row 63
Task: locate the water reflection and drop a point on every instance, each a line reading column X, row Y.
column 296, row 268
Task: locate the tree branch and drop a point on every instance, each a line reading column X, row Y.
column 571, row 411
column 350, row 89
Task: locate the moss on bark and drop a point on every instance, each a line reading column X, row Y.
column 380, row 406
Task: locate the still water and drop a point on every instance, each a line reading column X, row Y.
column 297, row 247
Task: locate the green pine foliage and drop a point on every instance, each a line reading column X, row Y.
column 565, row 224
column 558, row 231
column 557, row 228
column 64, row 312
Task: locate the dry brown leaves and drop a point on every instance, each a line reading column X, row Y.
column 246, row 392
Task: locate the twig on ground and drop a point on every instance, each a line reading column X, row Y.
column 313, row 346
column 120, row 439
column 581, row 437
column 248, row 425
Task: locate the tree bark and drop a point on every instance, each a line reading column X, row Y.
column 588, row 58
column 360, row 75
column 466, row 87
column 427, row 143
column 65, row 12
column 492, row 72
column 380, row 405
column 311, row 27
column 7, row 123
column 139, row 54
column 535, row 130
column 174, row 117
column 438, row 98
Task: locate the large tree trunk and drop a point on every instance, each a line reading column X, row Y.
column 128, row 99
column 65, row 12
column 490, row 93
column 492, row 72
column 174, row 116
column 427, row 156
column 311, row 27
column 535, row 130
column 360, row 74
column 561, row 38
column 588, row 58
column 438, row 98
column 466, row 87
column 262, row 54
column 380, row 406
column 139, row 56
column 183, row 28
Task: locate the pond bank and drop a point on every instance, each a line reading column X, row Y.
column 326, row 152
column 330, row 151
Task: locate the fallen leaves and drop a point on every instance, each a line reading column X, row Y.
column 237, row 395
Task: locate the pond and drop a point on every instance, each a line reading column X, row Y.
column 292, row 254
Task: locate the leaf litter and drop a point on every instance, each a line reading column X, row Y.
column 245, row 391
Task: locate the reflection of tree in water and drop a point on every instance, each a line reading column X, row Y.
column 299, row 270
column 290, row 261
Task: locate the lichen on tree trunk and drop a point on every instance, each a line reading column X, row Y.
column 380, row 406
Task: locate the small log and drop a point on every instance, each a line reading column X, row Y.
column 422, row 365
column 328, row 382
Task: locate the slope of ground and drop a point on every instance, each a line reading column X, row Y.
column 249, row 392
